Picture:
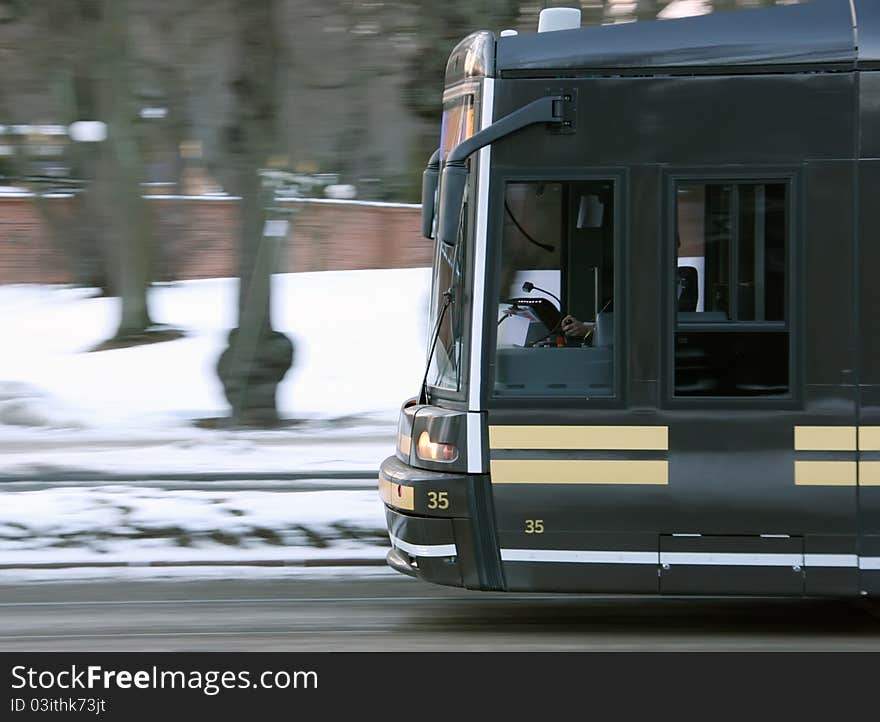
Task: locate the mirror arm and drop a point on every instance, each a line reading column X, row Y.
column 543, row 110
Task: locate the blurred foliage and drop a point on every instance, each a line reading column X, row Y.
column 11, row 10
column 349, row 87
column 203, row 96
column 439, row 27
column 356, row 86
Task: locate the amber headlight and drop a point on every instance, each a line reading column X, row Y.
column 428, row 450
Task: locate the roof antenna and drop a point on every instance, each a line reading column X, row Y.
column 552, row 19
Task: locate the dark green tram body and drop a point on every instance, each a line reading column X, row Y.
column 728, row 447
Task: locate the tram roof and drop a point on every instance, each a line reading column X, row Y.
column 821, row 32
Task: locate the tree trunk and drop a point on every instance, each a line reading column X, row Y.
column 119, row 185
column 257, row 357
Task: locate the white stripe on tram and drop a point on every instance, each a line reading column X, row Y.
column 581, row 557
column 424, row 550
column 474, row 443
column 831, row 560
column 480, row 241
column 689, row 558
column 731, row 559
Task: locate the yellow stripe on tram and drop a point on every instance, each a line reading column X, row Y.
column 837, row 438
column 397, row 495
column 610, row 438
column 825, row 473
column 825, row 438
column 869, row 473
column 869, row 438
column 580, row 471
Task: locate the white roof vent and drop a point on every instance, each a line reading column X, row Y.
column 508, row 33
column 552, row 19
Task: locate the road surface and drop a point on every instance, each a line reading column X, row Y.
column 389, row 612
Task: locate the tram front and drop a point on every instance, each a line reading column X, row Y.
column 436, row 486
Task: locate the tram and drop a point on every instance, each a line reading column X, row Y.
column 703, row 196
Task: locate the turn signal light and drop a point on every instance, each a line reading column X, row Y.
column 431, row 451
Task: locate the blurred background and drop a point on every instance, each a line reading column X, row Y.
column 213, row 288
column 146, row 143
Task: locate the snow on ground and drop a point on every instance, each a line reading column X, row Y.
column 359, row 352
column 359, row 337
column 225, row 452
column 142, row 525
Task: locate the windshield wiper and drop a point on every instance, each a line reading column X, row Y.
column 447, row 302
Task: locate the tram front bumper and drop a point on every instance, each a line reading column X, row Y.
column 429, row 524
column 424, row 548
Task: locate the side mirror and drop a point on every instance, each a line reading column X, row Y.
column 451, row 198
column 429, row 193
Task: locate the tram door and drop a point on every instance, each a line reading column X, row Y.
column 759, row 396
column 575, row 475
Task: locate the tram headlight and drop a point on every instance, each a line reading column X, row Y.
column 428, row 450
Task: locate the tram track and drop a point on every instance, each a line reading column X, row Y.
column 339, row 480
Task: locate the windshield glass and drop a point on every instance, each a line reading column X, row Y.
column 457, row 124
column 446, row 361
column 445, row 369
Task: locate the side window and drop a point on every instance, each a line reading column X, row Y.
column 557, row 260
column 732, row 335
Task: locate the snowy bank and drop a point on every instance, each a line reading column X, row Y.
column 139, row 525
column 359, row 337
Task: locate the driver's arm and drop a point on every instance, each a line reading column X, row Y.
column 577, row 329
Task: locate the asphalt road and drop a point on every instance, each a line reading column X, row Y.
column 396, row 613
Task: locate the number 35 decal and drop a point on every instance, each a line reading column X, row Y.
column 534, row 526
column 438, row 500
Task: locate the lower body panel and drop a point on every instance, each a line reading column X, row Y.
column 459, row 545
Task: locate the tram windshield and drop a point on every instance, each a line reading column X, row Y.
column 557, row 260
column 445, row 370
column 457, row 124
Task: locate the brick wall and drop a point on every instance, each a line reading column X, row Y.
column 26, row 251
column 197, row 238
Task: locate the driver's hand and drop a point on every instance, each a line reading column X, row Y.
column 572, row 327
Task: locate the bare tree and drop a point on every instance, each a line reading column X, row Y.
column 257, row 356
column 118, row 181
column 80, row 62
